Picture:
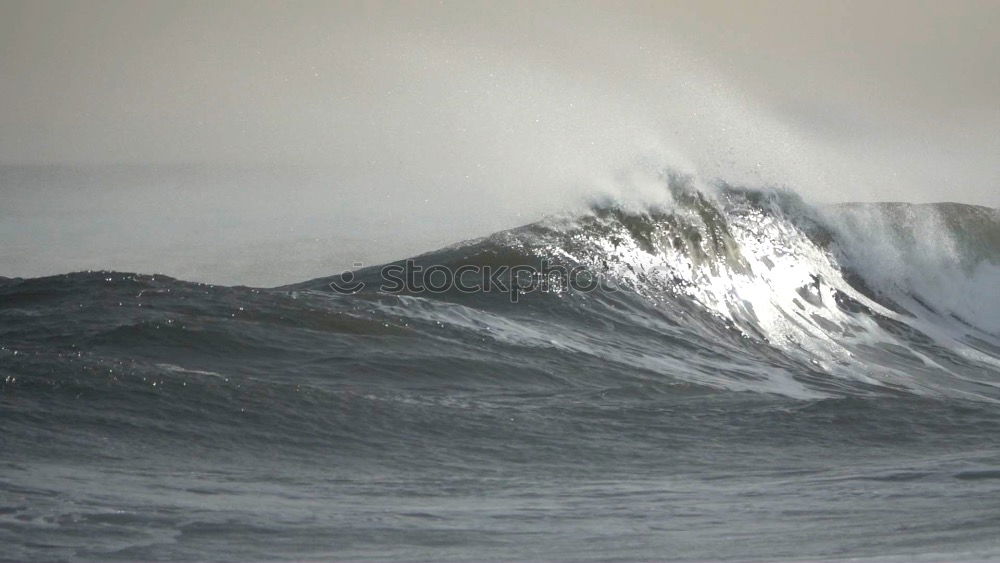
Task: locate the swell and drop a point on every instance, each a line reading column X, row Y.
column 759, row 276
column 716, row 290
column 745, row 346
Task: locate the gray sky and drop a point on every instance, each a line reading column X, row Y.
column 303, row 136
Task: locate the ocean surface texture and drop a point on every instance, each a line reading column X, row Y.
column 755, row 378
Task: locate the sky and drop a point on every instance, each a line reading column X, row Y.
column 269, row 142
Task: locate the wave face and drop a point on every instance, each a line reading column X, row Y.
column 817, row 382
column 851, row 300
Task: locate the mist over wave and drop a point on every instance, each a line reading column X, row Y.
column 374, row 138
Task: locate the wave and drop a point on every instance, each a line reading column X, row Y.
column 847, row 298
column 739, row 341
column 720, row 289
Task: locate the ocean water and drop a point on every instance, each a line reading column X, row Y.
column 753, row 378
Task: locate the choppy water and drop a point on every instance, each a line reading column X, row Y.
column 757, row 380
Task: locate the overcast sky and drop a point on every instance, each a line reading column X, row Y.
column 374, row 130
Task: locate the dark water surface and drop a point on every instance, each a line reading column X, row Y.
column 723, row 404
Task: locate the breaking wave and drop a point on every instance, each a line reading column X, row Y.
column 773, row 294
column 749, row 362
